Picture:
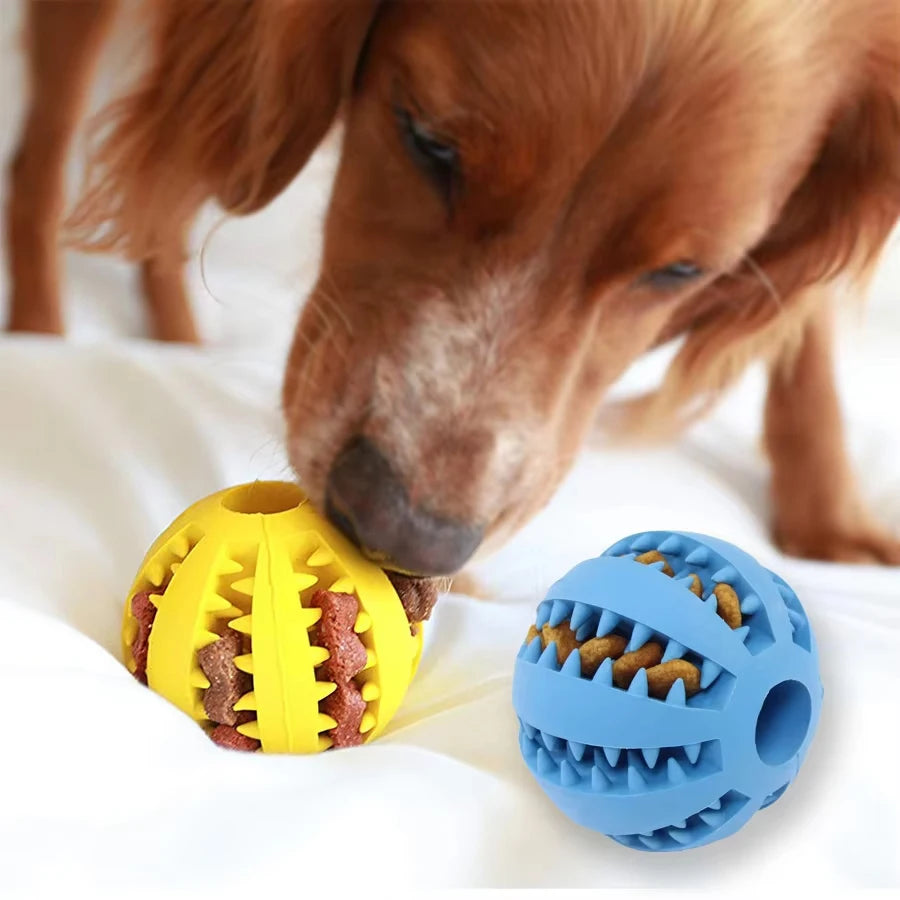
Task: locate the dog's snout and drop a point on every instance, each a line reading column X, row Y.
column 369, row 502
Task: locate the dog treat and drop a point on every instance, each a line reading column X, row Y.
column 232, row 739
column 562, row 635
column 594, row 651
column 346, row 706
column 652, row 556
column 227, row 683
column 417, row 595
column 727, row 605
column 626, row 666
column 660, row 675
column 334, row 632
column 660, row 678
column 145, row 612
column 564, row 638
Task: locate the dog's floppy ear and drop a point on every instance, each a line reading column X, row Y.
column 834, row 223
column 237, row 96
column 840, row 216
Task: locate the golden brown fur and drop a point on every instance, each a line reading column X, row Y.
column 473, row 336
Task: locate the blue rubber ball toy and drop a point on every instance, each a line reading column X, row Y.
column 667, row 691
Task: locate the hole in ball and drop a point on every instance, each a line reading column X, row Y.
column 783, row 722
column 265, row 497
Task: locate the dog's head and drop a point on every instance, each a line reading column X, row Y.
column 530, row 195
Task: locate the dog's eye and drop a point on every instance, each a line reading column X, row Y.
column 437, row 158
column 673, row 276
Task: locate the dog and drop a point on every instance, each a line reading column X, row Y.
column 530, row 196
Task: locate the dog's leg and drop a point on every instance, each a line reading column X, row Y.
column 63, row 41
column 817, row 511
column 162, row 279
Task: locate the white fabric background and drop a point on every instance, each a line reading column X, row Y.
column 106, row 437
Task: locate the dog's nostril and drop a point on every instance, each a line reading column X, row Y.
column 369, row 502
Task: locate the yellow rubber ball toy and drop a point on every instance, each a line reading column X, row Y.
column 259, row 619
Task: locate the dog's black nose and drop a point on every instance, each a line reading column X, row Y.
column 368, row 501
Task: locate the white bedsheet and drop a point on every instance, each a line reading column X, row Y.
column 106, row 437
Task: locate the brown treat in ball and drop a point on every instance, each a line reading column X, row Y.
column 532, row 634
column 346, row 706
column 334, row 632
column 561, row 635
column 627, row 666
column 227, row 683
column 417, row 595
column 728, row 606
column 696, row 585
column 144, row 612
column 653, row 556
column 231, row 739
column 661, row 678
column 596, row 650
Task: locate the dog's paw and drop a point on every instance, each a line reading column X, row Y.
column 860, row 543
column 27, row 322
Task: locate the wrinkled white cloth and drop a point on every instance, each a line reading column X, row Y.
column 107, row 437
column 104, row 444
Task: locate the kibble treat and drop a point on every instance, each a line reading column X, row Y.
column 144, row 612
column 259, row 619
column 348, row 658
column 667, row 690
column 418, row 595
column 227, row 683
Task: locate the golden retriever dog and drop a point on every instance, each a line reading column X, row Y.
column 531, row 194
